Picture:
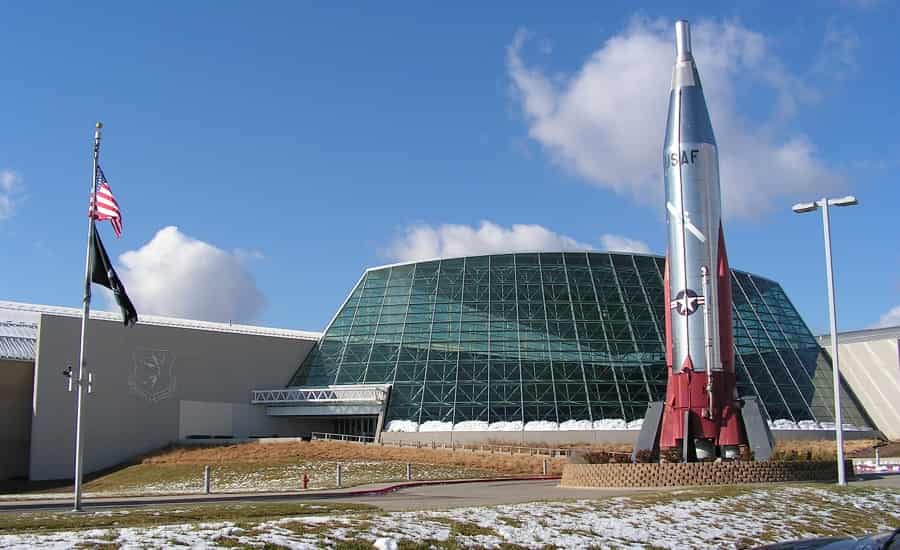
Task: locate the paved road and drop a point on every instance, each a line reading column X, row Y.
column 434, row 496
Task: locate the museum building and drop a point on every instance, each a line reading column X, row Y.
column 532, row 347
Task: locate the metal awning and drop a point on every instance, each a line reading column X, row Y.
column 18, row 341
column 337, row 400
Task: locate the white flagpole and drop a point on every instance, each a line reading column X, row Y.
column 81, row 381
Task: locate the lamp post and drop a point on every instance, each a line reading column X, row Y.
column 801, row 208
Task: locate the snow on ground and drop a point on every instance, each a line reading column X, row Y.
column 541, row 426
column 576, row 425
column 506, row 426
column 610, row 424
column 534, row 425
column 870, row 467
column 604, row 424
column 471, row 426
column 750, row 518
column 436, row 426
column 786, row 424
column 402, row 426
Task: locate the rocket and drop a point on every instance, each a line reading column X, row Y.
column 701, row 409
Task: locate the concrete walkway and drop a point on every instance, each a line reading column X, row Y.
column 492, row 493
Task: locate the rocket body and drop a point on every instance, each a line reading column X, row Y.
column 700, row 399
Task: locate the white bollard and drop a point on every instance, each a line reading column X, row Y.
column 206, row 479
column 338, row 475
column 546, row 467
column 408, row 471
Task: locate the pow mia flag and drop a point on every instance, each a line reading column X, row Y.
column 103, row 274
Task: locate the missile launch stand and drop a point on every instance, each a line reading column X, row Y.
column 759, row 436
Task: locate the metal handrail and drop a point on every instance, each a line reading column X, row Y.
column 492, row 448
column 551, row 452
column 343, row 437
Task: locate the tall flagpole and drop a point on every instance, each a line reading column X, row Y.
column 85, row 313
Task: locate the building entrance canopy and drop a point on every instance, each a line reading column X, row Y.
column 359, row 399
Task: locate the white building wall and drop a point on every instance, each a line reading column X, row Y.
column 872, row 368
column 153, row 384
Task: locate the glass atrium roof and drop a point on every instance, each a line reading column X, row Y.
column 552, row 337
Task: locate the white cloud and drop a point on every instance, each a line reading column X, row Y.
column 606, row 122
column 618, row 243
column 891, row 318
column 248, row 255
column 11, row 185
column 179, row 276
column 838, row 58
column 421, row 242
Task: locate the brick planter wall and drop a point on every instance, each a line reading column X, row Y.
column 697, row 473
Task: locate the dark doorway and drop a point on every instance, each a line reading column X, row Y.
column 355, row 425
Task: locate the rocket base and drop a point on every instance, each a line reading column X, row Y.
column 686, row 393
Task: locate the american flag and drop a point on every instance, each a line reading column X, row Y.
column 106, row 208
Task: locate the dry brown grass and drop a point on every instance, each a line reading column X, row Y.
column 340, row 451
column 818, row 450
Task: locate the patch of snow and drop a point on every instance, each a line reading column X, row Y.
column 435, row 426
column 505, row 426
column 576, row 425
column 783, row 424
column 752, row 517
column 402, row 426
column 516, row 426
column 541, row 426
column 610, row 424
column 471, row 426
column 385, row 543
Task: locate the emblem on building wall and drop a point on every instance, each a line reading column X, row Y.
column 153, row 376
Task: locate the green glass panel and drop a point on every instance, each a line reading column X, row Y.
column 552, row 336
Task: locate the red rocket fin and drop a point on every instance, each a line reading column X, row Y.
column 726, row 336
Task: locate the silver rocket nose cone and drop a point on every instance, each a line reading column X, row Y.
column 683, row 40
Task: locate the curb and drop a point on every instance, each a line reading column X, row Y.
column 200, row 498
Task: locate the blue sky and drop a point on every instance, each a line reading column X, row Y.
column 265, row 155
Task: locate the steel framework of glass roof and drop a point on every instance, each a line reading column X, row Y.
column 553, row 337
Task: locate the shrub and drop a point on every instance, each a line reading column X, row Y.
column 619, row 458
column 785, row 455
column 646, row 455
column 672, row 454
column 746, row 454
column 598, row 457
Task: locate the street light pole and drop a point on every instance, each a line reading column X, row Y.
column 832, row 312
column 824, row 204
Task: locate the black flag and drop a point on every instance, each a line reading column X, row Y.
column 103, row 274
